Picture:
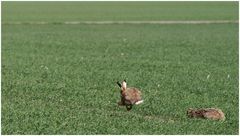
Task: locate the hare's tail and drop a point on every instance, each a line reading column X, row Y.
column 139, row 102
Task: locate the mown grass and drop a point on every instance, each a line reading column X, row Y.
column 117, row 11
column 60, row 79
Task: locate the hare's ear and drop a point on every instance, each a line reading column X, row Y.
column 124, row 84
column 119, row 84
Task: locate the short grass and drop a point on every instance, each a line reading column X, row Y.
column 60, row 79
column 117, row 11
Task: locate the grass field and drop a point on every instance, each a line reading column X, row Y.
column 112, row 11
column 60, row 79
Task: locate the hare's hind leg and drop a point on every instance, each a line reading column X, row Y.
column 129, row 107
column 120, row 103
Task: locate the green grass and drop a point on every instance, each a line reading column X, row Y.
column 118, row 11
column 60, row 79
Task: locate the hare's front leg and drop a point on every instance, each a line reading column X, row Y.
column 120, row 103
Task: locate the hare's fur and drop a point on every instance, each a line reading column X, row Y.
column 129, row 96
column 207, row 113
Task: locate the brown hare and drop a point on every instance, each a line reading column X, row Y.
column 129, row 96
column 207, row 113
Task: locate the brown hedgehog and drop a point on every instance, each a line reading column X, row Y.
column 206, row 113
column 129, row 96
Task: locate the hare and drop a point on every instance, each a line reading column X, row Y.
column 129, row 96
column 207, row 113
